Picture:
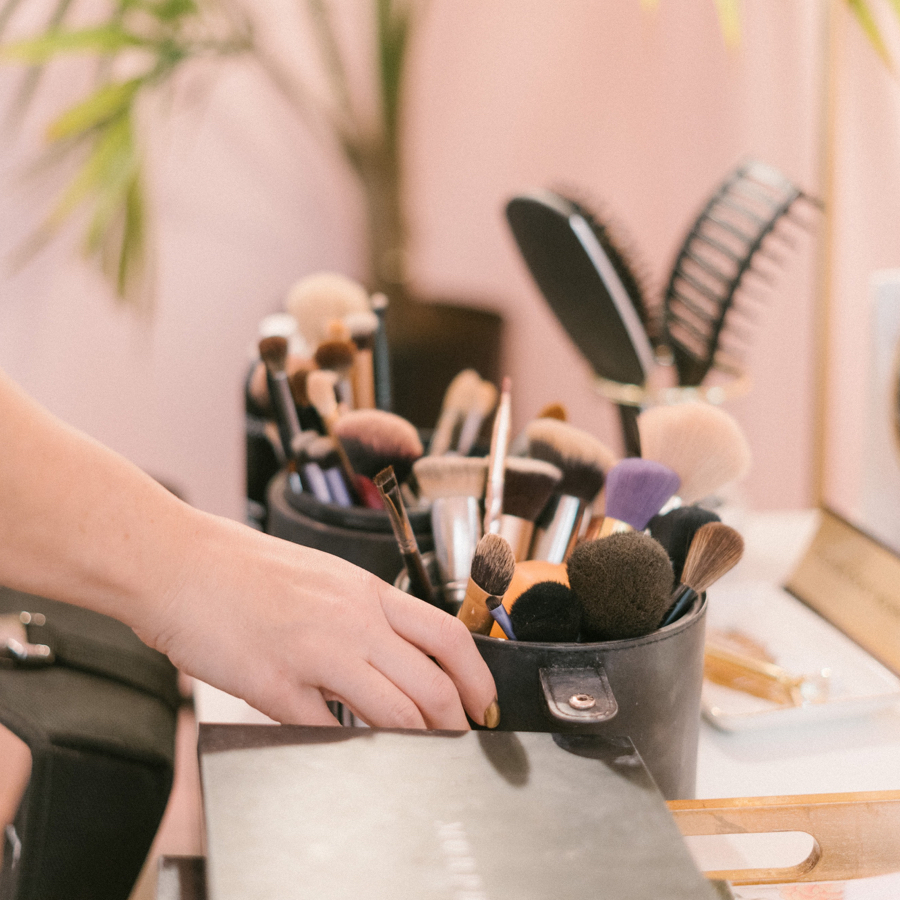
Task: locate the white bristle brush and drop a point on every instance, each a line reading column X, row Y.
column 319, row 298
column 700, row 442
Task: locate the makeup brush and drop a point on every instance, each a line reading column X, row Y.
column 320, row 385
column 702, row 443
column 636, row 490
column 492, row 569
column 456, row 402
column 319, row 298
column 454, row 486
column 273, row 352
column 584, row 461
column 419, row 582
column 676, row 529
column 623, row 583
column 528, row 573
column 306, row 412
column 500, row 616
column 311, row 475
column 519, row 444
column 374, row 439
column 338, row 354
column 547, row 612
column 363, row 327
column 493, row 491
column 381, row 355
column 483, row 402
column 323, row 452
column 716, row 549
column 528, row 485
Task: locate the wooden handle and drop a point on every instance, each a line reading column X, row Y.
column 855, row 835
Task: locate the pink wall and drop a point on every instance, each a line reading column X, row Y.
column 642, row 111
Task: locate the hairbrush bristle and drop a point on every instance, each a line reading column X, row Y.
column 702, row 443
column 582, row 458
column 547, row 611
column 273, row 352
column 637, row 489
column 623, row 583
column 451, row 476
column 375, row 439
column 335, row 355
column 316, row 300
column 493, row 564
column 676, row 529
column 527, row 486
column 716, row 549
column 320, row 385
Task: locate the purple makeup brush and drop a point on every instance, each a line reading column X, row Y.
column 636, row 490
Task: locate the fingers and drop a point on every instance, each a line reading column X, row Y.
column 299, row 706
column 447, row 639
column 376, row 698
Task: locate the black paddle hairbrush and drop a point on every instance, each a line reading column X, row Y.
column 572, row 261
column 725, row 245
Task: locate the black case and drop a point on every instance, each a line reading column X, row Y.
column 100, row 723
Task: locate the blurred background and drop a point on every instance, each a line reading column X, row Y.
column 641, row 108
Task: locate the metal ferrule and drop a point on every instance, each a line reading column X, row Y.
column 518, row 532
column 556, row 535
column 456, row 527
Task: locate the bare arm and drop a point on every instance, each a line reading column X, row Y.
column 282, row 626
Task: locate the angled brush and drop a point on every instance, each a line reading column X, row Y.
column 702, row 443
column 492, row 570
column 636, row 490
column 583, row 461
column 716, row 549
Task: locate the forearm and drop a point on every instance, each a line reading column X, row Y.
column 81, row 524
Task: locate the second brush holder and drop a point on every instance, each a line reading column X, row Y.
column 359, row 535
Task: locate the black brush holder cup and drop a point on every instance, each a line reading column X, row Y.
column 360, row 535
column 647, row 689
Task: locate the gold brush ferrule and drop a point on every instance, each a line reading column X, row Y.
column 610, row 526
column 474, row 611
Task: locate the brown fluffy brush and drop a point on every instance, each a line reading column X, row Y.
column 716, row 549
column 338, row 356
column 702, row 443
column 583, row 461
column 624, row 585
column 492, row 570
column 374, row 439
column 527, row 486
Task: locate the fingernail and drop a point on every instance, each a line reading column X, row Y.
column 492, row 715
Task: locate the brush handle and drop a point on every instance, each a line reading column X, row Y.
column 315, row 482
column 493, row 495
column 381, row 356
column 474, row 612
column 419, row 582
column 456, row 527
column 501, row 617
column 683, row 600
column 518, row 533
column 631, row 436
column 337, row 487
column 285, row 410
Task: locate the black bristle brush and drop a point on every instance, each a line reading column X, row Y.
column 527, row 487
column 716, row 549
column 547, row 612
column 636, row 490
column 623, row 583
column 676, row 529
column 374, row 439
column 493, row 566
column 584, row 462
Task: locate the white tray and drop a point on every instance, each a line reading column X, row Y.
column 801, row 642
